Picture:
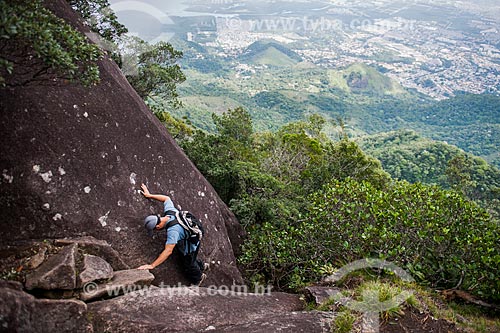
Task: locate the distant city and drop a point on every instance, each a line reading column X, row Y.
column 439, row 48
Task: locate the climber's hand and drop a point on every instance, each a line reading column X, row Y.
column 145, row 191
column 145, row 267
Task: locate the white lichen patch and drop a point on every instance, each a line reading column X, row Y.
column 57, row 217
column 47, row 176
column 36, row 168
column 85, row 114
column 132, row 178
column 8, row 178
column 103, row 219
column 46, row 206
column 62, row 172
column 118, row 229
column 75, row 106
column 201, row 194
column 87, row 189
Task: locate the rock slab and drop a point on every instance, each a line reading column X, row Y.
column 301, row 321
column 57, row 272
column 122, row 282
column 21, row 312
column 94, row 269
column 194, row 309
column 96, row 247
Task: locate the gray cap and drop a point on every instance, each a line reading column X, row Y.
column 150, row 223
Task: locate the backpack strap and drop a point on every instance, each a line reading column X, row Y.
column 170, row 213
column 171, row 224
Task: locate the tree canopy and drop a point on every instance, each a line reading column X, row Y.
column 28, row 29
column 310, row 204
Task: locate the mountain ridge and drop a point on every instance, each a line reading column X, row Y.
column 269, row 53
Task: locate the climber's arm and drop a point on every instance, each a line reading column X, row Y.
column 161, row 258
column 159, row 197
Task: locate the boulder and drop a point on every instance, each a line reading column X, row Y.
column 94, row 268
column 194, row 309
column 319, row 294
column 57, row 272
column 6, row 284
column 21, row 312
column 97, row 247
column 122, row 282
column 73, row 159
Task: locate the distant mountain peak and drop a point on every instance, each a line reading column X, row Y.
column 361, row 78
column 270, row 52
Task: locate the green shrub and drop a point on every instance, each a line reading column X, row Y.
column 344, row 322
column 438, row 236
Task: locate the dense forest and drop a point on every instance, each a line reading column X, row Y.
column 408, row 156
column 310, row 202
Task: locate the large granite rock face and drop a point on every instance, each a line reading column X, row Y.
column 21, row 312
column 200, row 309
column 73, row 158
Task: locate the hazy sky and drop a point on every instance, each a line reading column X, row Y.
column 169, row 7
column 177, row 7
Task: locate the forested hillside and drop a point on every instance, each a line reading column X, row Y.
column 409, row 156
column 365, row 99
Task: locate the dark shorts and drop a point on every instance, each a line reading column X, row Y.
column 193, row 267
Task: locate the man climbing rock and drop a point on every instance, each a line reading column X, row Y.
column 177, row 237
